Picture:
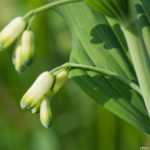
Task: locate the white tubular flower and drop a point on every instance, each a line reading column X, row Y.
column 24, row 53
column 61, row 79
column 10, row 33
column 45, row 113
column 28, row 49
column 40, row 88
column 17, row 59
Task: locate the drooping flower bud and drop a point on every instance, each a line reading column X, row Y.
column 17, row 61
column 10, row 33
column 45, row 113
column 121, row 10
column 40, row 88
column 61, row 79
column 28, row 49
column 36, row 109
column 24, row 53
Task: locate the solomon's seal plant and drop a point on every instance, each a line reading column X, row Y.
column 124, row 92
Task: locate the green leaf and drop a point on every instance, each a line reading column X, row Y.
column 145, row 5
column 144, row 20
column 96, row 43
column 118, row 9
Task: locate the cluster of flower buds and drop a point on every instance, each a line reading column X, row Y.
column 38, row 96
column 24, row 52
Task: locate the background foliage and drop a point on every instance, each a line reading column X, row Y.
column 79, row 122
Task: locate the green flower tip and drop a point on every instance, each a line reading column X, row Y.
column 11, row 32
column 121, row 10
column 45, row 113
column 40, row 88
column 24, row 104
column 47, row 123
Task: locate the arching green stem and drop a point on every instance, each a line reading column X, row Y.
column 126, row 81
column 48, row 6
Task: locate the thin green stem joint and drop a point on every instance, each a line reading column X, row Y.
column 124, row 80
column 47, row 6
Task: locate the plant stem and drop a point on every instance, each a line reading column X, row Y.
column 71, row 66
column 140, row 59
column 48, row 6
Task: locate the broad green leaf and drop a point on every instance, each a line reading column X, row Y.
column 117, row 9
column 96, row 43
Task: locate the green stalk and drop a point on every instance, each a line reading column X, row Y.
column 140, row 59
column 71, row 66
column 48, row 6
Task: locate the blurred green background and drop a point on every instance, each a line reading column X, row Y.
column 79, row 123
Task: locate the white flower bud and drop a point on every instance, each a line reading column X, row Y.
column 24, row 53
column 40, row 88
column 28, row 49
column 10, row 33
column 61, row 79
column 45, row 113
column 17, row 59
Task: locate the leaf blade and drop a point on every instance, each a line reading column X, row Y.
column 121, row 100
